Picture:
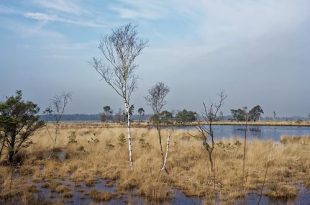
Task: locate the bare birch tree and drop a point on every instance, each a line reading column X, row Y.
column 156, row 100
column 56, row 110
column 167, row 151
column 120, row 50
column 209, row 115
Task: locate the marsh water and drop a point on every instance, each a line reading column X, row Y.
column 81, row 196
column 257, row 132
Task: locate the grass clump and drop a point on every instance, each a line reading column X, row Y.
column 62, row 189
column 100, row 195
column 281, row 191
column 156, row 191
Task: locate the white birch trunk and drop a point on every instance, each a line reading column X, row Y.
column 166, row 154
column 54, row 140
column 129, row 135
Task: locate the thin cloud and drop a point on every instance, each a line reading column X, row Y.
column 134, row 14
column 26, row 31
column 153, row 10
column 54, row 18
column 66, row 6
column 139, row 9
column 42, row 17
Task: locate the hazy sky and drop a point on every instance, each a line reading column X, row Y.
column 256, row 50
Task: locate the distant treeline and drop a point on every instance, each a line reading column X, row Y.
column 87, row 117
column 146, row 117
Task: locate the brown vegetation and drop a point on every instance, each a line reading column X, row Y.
column 102, row 156
column 100, row 196
column 305, row 140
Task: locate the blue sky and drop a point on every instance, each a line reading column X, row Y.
column 257, row 51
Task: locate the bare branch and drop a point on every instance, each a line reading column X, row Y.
column 56, row 110
column 120, row 50
column 209, row 114
column 156, row 97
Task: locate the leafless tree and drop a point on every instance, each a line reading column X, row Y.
column 56, row 110
column 246, row 117
column 209, row 115
column 120, row 50
column 120, row 116
column 156, row 100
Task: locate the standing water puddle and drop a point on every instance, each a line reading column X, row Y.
column 302, row 198
column 81, row 195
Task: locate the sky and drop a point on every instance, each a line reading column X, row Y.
column 257, row 51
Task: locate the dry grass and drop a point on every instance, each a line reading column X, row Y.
column 282, row 191
column 188, row 165
column 305, row 140
column 95, row 125
column 100, row 196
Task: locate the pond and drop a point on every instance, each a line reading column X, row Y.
column 258, row 132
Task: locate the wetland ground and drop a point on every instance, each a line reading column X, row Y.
column 90, row 166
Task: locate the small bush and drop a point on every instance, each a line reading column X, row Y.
column 144, row 144
column 72, row 138
column 121, row 139
column 109, row 146
column 93, row 141
column 81, row 149
column 238, row 143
